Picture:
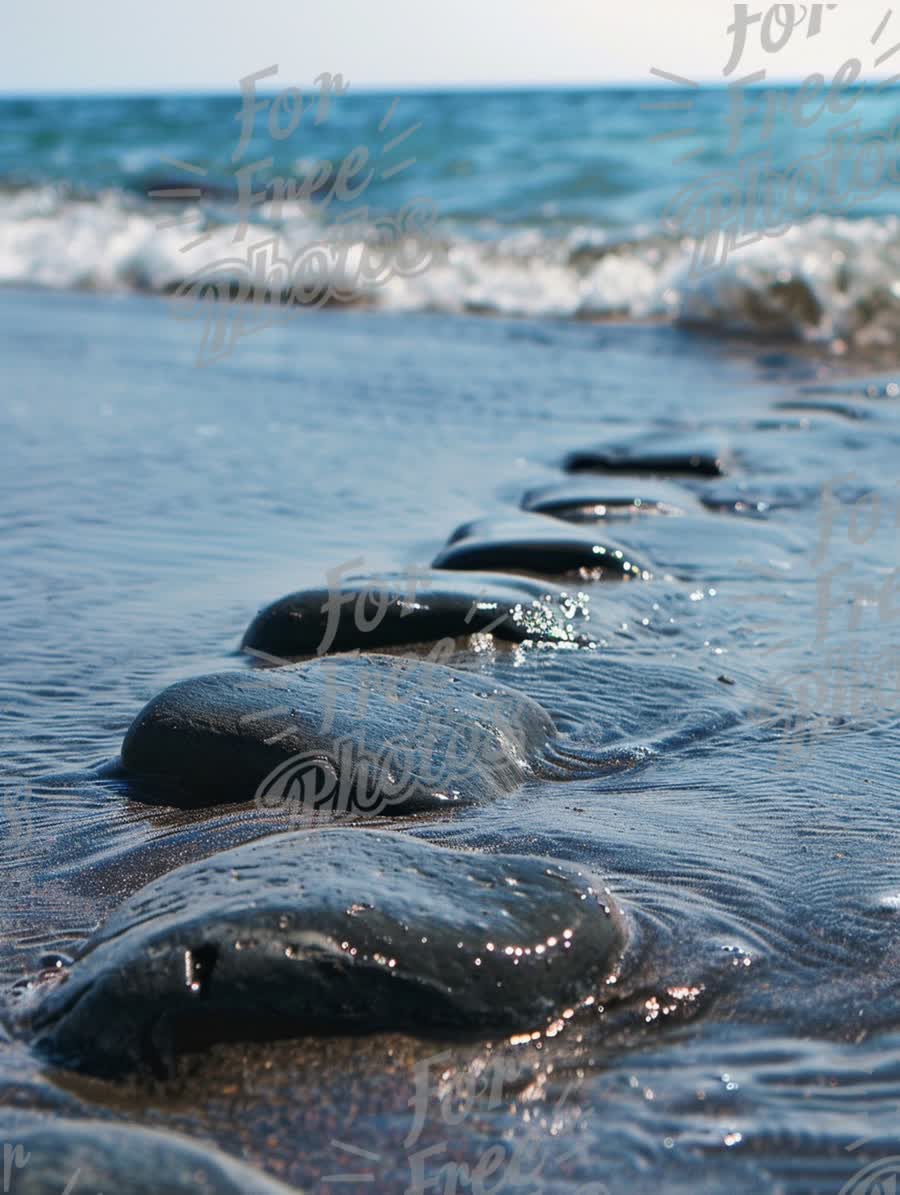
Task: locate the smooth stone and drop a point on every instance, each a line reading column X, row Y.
column 586, row 502
column 779, row 423
column 391, row 610
column 91, row 1156
column 372, row 734
column 334, row 931
column 870, row 390
column 757, row 497
column 535, row 544
column 675, row 454
column 846, row 410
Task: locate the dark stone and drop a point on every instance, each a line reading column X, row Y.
column 89, row 1156
column 533, row 544
column 854, row 390
column 587, row 502
column 757, row 497
column 674, row 454
column 335, row 931
column 846, row 410
column 393, row 610
column 371, row 734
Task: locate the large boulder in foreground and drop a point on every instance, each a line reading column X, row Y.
column 368, row 734
column 86, row 1157
column 392, row 610
column 334, row 931
column 535, row 544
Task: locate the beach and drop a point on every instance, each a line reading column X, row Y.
column 725, row 736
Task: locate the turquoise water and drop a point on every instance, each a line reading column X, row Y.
column 571, row 204
column 527, row 159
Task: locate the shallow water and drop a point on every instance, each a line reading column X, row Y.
column 739, row 723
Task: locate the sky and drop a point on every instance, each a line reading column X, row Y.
column 208, row 45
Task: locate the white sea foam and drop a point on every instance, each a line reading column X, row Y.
column 830, row 280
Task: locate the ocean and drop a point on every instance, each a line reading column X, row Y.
column 176, row 459
column 557, row 203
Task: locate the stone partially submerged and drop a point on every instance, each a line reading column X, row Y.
column 335, row 931
column 544, row 546
column 368, row 734
column 392, row 610
column 586, row 501
column 55, row 1157
column 662, row 454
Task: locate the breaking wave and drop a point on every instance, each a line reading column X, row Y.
column 830, row 280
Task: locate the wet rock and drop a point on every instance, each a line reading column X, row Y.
column 335, row 931
column 397, row 609
column 534, row 544
column 776, row 423
column 853, row 390
column 370, row 734
column 50, row 1157
column 845, row 410
column 758, row 497
column 675, row 454
column 586, row 502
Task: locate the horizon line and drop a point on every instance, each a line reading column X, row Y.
column 644, row 83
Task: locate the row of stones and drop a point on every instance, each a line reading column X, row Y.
column 358, row 928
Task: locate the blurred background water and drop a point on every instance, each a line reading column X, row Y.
column 562, row 203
